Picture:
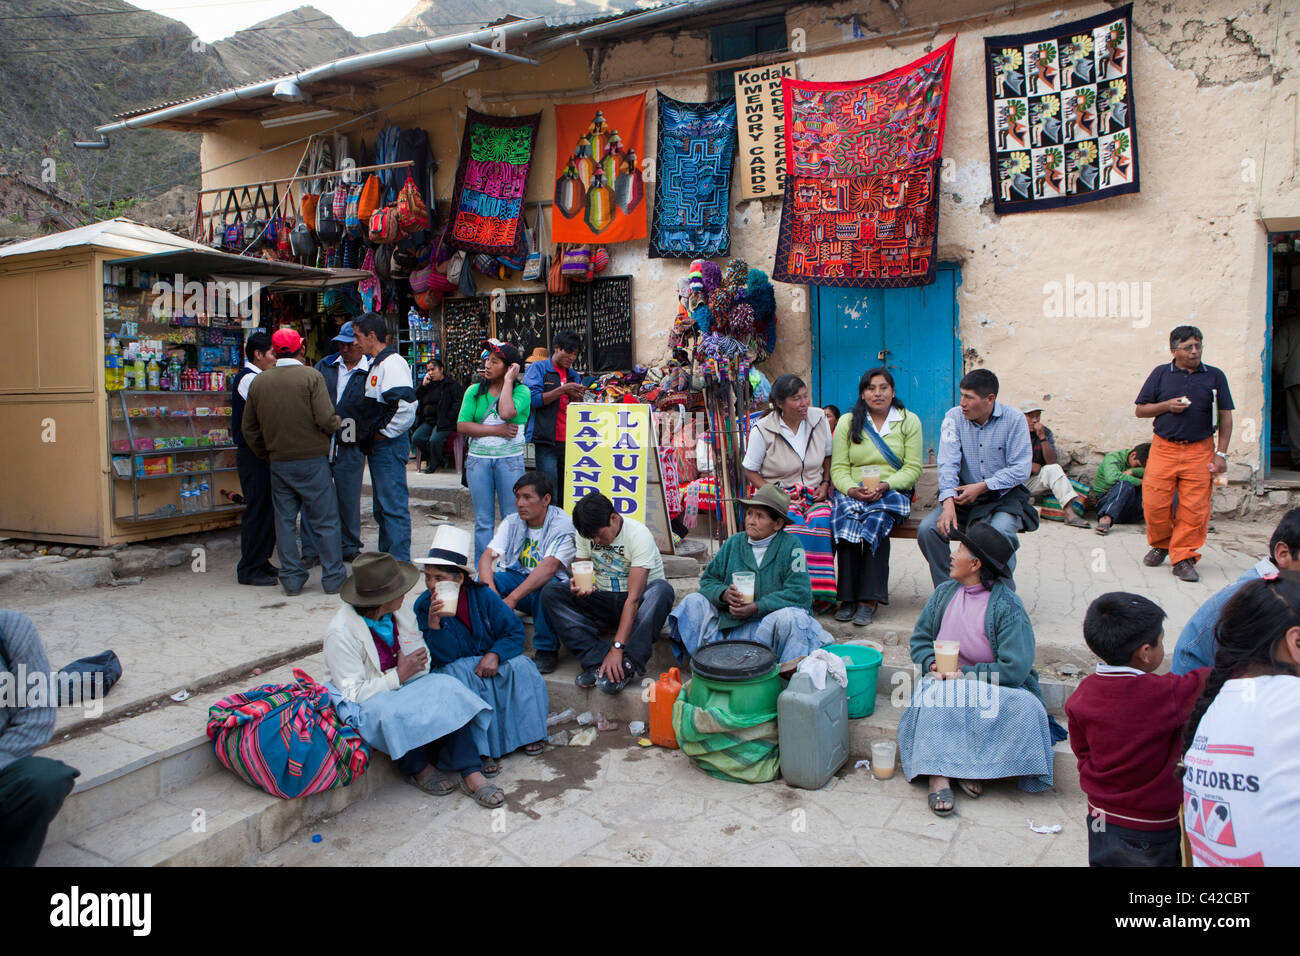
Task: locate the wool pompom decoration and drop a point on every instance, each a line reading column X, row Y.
column 712, row 276
column 720, row 303
column 736, row 273
column 760, row 294
column 703, row 318
column 741, row 320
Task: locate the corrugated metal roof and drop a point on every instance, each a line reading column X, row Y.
column 554, row 26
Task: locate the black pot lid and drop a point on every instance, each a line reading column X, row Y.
column 733, row 660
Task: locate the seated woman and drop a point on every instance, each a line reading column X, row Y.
column 884, row 435
column 1244, row 733
column 777, row 613
column 993, row 723
column 791, row 448
column 480, row 642
column 389, row 695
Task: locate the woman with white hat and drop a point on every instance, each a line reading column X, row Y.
column 377, row 671
column 473, row 636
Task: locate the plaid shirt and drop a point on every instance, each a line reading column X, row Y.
column 22, row 729
column 998, row 452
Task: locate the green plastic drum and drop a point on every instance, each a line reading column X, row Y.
column 742, row 677
column 863, row 664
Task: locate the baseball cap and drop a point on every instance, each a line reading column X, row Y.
column 286, row 342
column 505, row 351
column 345, row 334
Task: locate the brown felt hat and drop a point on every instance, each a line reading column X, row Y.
column 377, row 578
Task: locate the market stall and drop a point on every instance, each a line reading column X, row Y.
column 114, row 391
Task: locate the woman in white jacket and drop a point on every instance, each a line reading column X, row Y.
column 377, row 670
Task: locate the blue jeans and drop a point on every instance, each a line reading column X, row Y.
column 491, row 485
column 348, row 469
column 388, row 485
column 544, row 638
column 430, row 440
column 550, row 462
column 938, row 550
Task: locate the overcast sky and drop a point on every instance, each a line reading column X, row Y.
column 215, row 19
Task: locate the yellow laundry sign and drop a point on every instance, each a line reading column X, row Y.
column 607, row 449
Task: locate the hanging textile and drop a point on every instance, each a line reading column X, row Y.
column 488, row 201
column 695, row 148
column 599, row 180
column 861, row 202
column 1062, row 129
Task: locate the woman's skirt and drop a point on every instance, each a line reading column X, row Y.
column 976, row 730
column 518, row 698
column 810, row 522
column 417, row 713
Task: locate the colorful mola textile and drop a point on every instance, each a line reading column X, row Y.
column 1062, row 129
column 862, row 162
column 599, row 178
column 696, row 146
column 488, row 202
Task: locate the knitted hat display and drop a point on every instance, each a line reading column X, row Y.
column 711, row 274
column 760, row 295
column 696, row 275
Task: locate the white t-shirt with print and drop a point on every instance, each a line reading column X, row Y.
column 633, row 547
column 1241, row 791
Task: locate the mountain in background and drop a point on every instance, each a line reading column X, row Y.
column 64, row 72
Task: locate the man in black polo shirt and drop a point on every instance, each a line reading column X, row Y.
column 1181, row 397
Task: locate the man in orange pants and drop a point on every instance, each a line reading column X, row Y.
column 1181, row 397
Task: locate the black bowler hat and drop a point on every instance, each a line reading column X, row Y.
column 988, row 544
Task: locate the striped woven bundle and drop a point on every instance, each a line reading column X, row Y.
column 286, row 739
column 728, row 746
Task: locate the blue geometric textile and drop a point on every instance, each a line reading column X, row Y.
column 697, row 143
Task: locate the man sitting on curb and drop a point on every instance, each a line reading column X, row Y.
column 629, row 593
column 1117, row 489
column 32, row 789
column 1046, row 476
column 778, row 613
column 1196, row 645
column 535, row 546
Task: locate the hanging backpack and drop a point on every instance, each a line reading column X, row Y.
column 383, row 225
column 369, row 199
column 339, row 201
column 352, row 218
column 286, row 739
column 384, row 262
column 307, row 210
column 412, row 213
column 255, row 226
column 233, row 230
column 329, row 229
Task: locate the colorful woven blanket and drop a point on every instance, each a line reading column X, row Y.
column 743, row 748
column 696, row 145
column 1062, row 129
column 491, row 180
column 861, row 202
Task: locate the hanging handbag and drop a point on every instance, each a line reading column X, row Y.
column 339, row 201
column 307, row 210
column 576, row 263
column 285, row 227
column 412, row 213
column 557, row 283
column 455, row 265
column 254, row 227
column 369, row 199
column 534, row 267
column 232, row 233
column 274, row 221
column 352, row 219
column 286, row 739
column 372, row 297
column 384, row 262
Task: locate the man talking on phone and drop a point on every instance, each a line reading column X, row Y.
column 1182, row 398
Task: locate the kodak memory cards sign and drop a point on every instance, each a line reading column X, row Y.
column 760, row 125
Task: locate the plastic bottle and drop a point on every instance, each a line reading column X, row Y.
column 141, row 377
column 663, row 694
column 205, row 494
column 185, row 496
column 155, row 379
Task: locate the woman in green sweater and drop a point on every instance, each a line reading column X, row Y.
column 777, row 613
column 883, row 435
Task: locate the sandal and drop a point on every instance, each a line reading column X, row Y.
column 944, row 796
column 535, row 748
column 1103, row 527
column 436, row 783
column 490, row 767
column 972, row 788
column 483, row 795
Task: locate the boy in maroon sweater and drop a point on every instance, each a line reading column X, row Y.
column 1126, row 729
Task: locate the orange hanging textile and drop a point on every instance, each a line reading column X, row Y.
column 663, row 694
column 598, row 145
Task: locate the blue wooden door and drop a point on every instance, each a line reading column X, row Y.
column 912, row 332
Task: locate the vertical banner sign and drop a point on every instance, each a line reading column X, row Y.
column 760, row 124
column 607, row 449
